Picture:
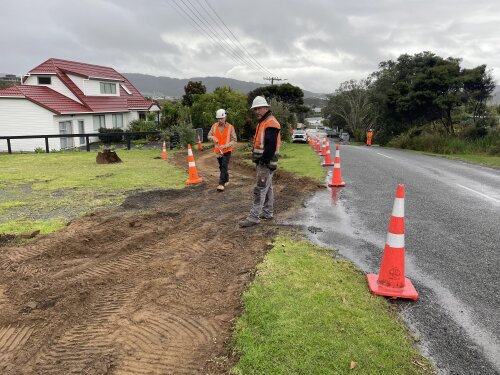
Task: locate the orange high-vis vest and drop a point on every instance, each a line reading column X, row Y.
column 369, row 136
column 224, row 138
column 258, row 142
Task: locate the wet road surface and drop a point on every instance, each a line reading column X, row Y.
column 452, row 245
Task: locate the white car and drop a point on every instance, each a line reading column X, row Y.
column 299, row 135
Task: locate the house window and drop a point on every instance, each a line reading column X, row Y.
column 81, row 130
column 117, row 120
column 99, row 122
column 108, row 88
column 44, row 80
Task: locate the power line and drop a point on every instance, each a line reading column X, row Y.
column 222, row 39
column 232, row 37
column 201, row 29
column 205, row 30
column 236, row 39
column 237, row 52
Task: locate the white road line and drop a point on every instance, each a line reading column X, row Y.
column 481, row 194
column 388, row 157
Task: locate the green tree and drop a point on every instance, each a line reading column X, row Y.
column 351, row 107
column 424, row 88
column 234, row 102
column 286, row 118
column 191, row 89
column 170, row 114
column 176, row 120
column 285, row 93
column 478, row 88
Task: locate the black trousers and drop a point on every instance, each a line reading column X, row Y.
column 223, row 167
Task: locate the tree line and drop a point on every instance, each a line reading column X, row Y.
column 416, row 93
column 197, row 109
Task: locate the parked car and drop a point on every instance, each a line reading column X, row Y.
column 330, row 133
column 344, row 137
column 299, row 135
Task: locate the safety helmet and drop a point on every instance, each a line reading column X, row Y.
column 221, row 113
column 259, row 101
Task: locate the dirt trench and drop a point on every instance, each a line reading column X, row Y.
column 151, row 287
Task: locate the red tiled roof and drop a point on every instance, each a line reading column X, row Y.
column 81, row 69
column 45, row 97
column 124, row 102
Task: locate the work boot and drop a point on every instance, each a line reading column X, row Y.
column 265, row 217
column 226, row 183
column 247, row 223
column 220, row 188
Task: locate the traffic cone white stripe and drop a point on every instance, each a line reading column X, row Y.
column 336, row 165
column 337, row 153
column 192, row 164
column 396, row 241
column 190, row 152
column 398, row 210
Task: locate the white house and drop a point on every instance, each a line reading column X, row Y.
column 67, row 97
column 314, row 121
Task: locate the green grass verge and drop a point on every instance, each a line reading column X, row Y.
column 46, row 189
column 299, row 158
column 480, row 159
column 307, row 313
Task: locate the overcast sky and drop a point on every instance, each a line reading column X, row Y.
column 314, row 44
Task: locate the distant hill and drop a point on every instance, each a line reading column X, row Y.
column 496, row 96
column 166, row 86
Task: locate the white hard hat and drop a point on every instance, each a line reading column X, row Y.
column 221, row 113
column 259, row 101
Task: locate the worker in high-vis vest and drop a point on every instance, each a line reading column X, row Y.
column 369, row 136
column 265, row 152
column 223, row 135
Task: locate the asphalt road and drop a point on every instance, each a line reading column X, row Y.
column 452, row 245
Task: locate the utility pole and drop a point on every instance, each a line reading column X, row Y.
column 272, row 79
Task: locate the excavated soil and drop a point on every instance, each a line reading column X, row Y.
column 151, row 287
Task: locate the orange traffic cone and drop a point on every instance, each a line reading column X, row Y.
column 323, row 148
column 316, row 145
column 337, row 173
column 193, row 174
column 164, row 151
column 328, row 159
column 391, row 280
column 200, row 147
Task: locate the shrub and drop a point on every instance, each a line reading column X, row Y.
column 143, row 126
column 110, row 138
column 186, row 134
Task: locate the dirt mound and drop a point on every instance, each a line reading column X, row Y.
column 150, row 287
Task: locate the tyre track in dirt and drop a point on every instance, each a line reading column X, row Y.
column 150, row 287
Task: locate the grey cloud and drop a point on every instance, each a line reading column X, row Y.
column 315, row 44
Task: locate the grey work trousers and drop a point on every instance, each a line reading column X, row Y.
column 262, row 194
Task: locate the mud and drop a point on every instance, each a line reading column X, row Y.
column 150, row 287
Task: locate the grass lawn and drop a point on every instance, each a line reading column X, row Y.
column 44, row 191
column 308, row 313
column 299, row 158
